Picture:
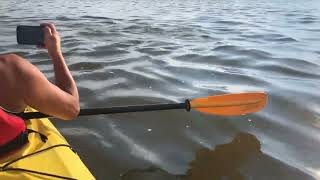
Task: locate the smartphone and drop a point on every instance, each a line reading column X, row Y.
column 31, row 35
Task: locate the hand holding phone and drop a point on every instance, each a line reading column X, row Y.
column 52, row 40
column 44, row 36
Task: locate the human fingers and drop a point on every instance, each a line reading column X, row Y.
column 44, row 24
column 51, row 26
column 47, row 37
column 47, row 32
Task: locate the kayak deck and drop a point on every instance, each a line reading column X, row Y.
column 54, row 157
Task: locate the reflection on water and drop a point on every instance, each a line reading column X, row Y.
column 236, row 160
column 225, row 160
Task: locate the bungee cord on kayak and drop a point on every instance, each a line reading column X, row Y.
column 19, row 141
column 7, row 167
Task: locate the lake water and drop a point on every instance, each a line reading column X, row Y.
column 146, row 51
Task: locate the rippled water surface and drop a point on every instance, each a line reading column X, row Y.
column 147, row 51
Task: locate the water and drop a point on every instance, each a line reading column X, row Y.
column 139, row 51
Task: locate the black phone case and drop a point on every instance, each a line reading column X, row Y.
column 30, row 35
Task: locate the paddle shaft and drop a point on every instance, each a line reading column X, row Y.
column 114, row 110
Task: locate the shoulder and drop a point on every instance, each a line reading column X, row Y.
column 14, row 68
column 8, row 62
column 8, row 57
column 14, row 63
column 11, row 60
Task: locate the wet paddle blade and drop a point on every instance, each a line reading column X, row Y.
column 231, row 104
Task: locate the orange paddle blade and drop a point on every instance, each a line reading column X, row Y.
column 231, row 104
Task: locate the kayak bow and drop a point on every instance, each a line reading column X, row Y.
column 44, row 160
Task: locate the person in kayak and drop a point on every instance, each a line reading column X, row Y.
column 22, row 84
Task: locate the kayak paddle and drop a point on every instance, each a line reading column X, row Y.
column 224, row 105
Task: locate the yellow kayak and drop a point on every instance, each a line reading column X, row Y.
column 53, row 159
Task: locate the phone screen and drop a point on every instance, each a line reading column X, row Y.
column 31, row 35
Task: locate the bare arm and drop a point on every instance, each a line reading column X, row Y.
column 60, row 100
column 63, row 77
column 44, row 96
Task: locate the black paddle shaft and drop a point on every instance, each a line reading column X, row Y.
column 114, row 110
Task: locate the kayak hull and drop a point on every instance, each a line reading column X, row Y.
column 54, row 156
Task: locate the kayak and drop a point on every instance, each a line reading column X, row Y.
column 44, row 158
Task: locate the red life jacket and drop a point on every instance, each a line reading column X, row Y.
column 11, row 127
